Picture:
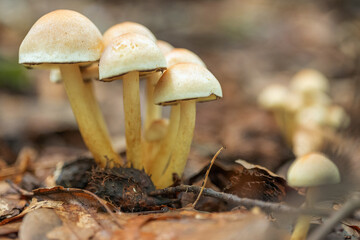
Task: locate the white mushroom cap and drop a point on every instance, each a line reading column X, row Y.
column 126, row 27
column 165, row 47
column 309, row 80
column 312, row 116
column 186, row 81
column 182, row 55
column 130, row 52
column 306, row 140
column 61, row 36
column 273, row 96
column 337, row 117
column 312, row 170
column 157, row 130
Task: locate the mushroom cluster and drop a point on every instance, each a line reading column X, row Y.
column 304, row 110
column 73, row 48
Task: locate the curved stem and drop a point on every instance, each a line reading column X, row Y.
column 157, row 164
column 183, row 143
column 153, row 111
column 132, row 119
column 88, row 116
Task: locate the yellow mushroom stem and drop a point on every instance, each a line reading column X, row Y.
column 132, row 114
column 160, row 161
column 88, row 116
column 303, row 223
column 283, row 120
column 182, row 144
column 153, row 111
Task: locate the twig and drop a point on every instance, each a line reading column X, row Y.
column 347, row 210
column 246, row 202
column 207, row 176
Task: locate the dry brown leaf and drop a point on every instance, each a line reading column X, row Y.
column 33, row 206
column 198, row 225
column 10, row 207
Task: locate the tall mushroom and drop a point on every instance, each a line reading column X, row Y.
column 311, row 171
column 156, row 165
column 184, row 84
column 152, row 111
column 66, row 39
column 127, row 57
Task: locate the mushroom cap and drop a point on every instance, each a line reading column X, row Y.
column 157, row 130
column 274, row 96
column 312, row 116
column 61, row 36
column 307, row 140
column 311, row 170
column 165, row 47
column 309, row 80
column 126, row 27
column 182, row 55
column 186, row 81
column 130, row 52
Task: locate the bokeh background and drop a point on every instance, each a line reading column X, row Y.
column 247, row 44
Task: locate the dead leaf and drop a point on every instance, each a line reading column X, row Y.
column 256, row 182
column 10, row 207
column 197, row 225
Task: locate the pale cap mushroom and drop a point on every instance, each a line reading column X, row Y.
column 313, row 169
column 182, row 55
column 273, row 96
column 63, row 42
column 130, row 52
column 126, row 27
column 186, row 81
column 165, row 47
column 309, row 80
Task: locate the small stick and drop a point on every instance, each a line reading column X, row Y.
column 246, row 202
column 347, row 210
column 207, row 176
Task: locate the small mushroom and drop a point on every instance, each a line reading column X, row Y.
column 66, row 39
column 165, row 47
column 127, row 57
column 274, row 98
column 311, row 171
column 126, row 27
column 184, row 84
column 156, row 165
column 152, row 111
column 309, row 83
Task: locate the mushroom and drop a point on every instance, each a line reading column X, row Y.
column 337, row 117
column 66, row 39
column 152, row 111
column 126, row 27
column 184, row 84
column 165, row 47
column 156, row 165
column 311, row 171
column 309, row 83
column 274, row 98
column 127, row 57
column 307, row 140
